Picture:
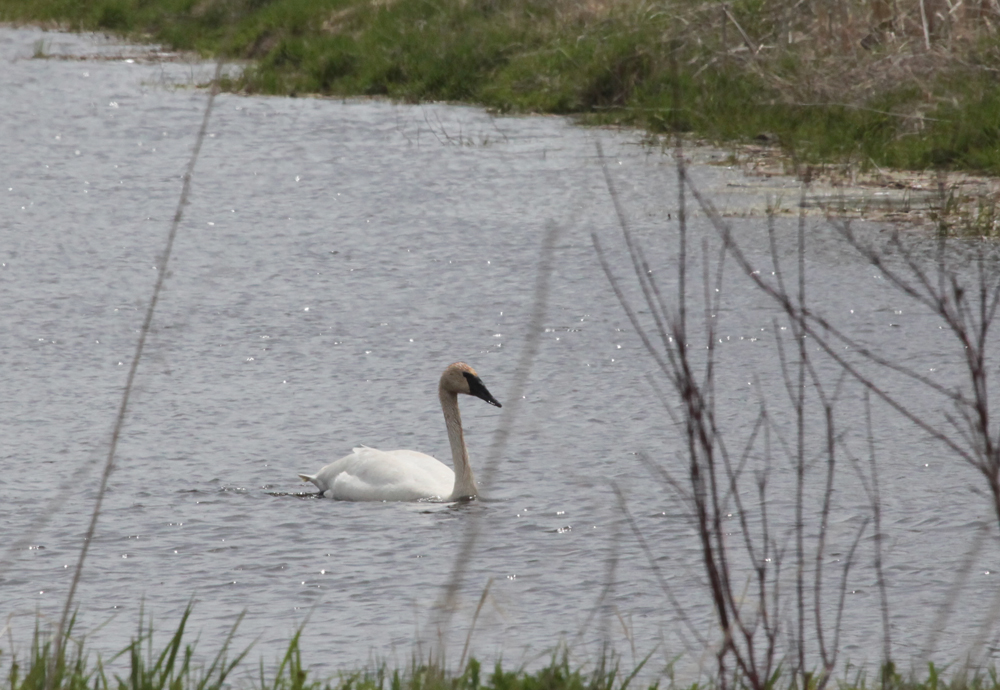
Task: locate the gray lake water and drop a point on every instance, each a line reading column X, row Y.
column 333, row 258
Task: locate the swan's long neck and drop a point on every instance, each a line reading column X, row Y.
column 465, row 483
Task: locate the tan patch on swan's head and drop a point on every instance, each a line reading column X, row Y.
column 453, row 379
column 461, row 378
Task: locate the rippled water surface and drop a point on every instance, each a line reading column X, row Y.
column 333, row 258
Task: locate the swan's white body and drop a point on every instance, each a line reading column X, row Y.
column 369, row 474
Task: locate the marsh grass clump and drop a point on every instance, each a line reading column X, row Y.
column 69, row 671
column 905, row 84
column 69, row 667
column 177, row 664
column 963, row 215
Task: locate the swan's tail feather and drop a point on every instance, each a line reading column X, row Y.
column 306, row 477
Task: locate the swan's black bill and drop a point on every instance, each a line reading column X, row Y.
column 477, row 389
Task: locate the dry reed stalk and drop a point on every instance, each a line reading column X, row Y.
column 444, row 610
column 840, row 52
column 57, row 641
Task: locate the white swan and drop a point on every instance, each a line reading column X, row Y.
column 368, row 474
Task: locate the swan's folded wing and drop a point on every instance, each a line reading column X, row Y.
column 369, row 474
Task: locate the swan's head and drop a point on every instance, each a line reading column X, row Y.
column 461, row 378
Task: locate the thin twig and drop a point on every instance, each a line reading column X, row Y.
column 133, row 368
column 948, row 605
column 511, row 410
column 472, row 626
column 667, row 591
column 876, row 501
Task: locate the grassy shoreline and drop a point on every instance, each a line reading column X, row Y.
column 857, row 82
